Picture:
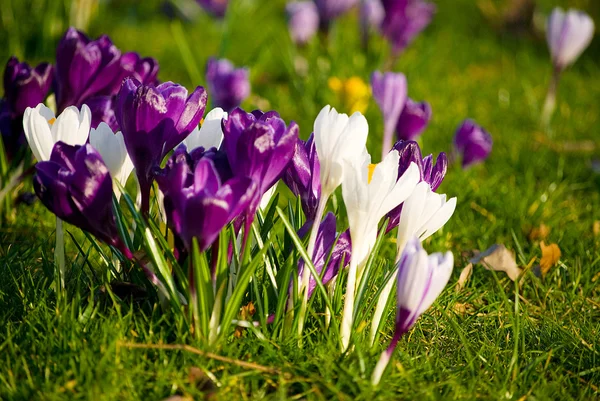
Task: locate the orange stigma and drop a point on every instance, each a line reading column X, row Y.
column 371, row 171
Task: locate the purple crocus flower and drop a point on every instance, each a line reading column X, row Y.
column 259, row 146
column 228, row 86
column 198, row 204
column 24, row 87
column 421, row 279
column 431, row 173
column 332, row 9
column 404, row 20
column 568, row 35
column 154, row 119
column 85, row 68
column 303, row 176
column 103, row 111
column 214, row 7
column 413, row 120
column 303, row 20
column 326, row 238
column 76, row 186
column 472, row 142
column 390, row 93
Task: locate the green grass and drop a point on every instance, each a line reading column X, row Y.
column 491, row 340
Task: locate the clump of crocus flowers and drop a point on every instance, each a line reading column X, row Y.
column 210, row 230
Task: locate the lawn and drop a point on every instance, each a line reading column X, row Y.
column 535, row 339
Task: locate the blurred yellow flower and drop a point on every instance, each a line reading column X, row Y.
column 353, row 93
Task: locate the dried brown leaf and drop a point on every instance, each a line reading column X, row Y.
column 550, row 257
column 465, row 274
column 498, row 258
column 539, row 233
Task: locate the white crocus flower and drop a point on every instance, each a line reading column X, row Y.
column 210, row 134
column 112, row 148
column 43, row 129
column 568, row 35
column 423, row 214
column 369, row 198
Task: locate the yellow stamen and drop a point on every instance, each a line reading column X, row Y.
column 52, row 121
column 371, row 171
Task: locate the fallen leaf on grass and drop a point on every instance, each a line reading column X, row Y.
column 539, row 233
column 498, row 258
column 465, row 274
column 246, row 313
column 596, row 228
column 550, row 257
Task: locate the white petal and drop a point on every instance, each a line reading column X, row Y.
column 440, row 218
column 442, row 269
column 266, row 198
column 410, row 218
column 68, row 124
column 37, row 132
column 401, row 189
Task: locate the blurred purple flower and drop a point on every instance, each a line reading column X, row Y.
column 326, row 237
column 568, row 34
column 154, row 119
column 76, row 186
column 390, row 93
column 303, row 176
column 371, row 14
column 431, row 173
column 332, row 9
column 214, row 7
column 472, row 142
column 404, row 20
column 24, row 87
column 413, row 120
column 228, row 86
column 303, row 20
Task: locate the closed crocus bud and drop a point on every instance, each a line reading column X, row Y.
column 472, row 142
column 568, row 35
column 332, row 9
column 228, row 86
column 76, row 186
column 24, row 87
column 404, row 20
column 154, row 119
column 413, row 120
column 111, row 147
column 421, row 279
column 303, row 176
column 326, row 239
column 303, row 20
column 433, row 174
column 390, row 93
column 214, row 7
column 43, row 129
column 85, row 68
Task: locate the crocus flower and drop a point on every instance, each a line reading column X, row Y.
column 421, row 279
column 199, row 205
column 24, row 87
column 228, row 86
column 353, row 93
column 154, row 119
column 259, row 146
column 332, row 9
column 404, row 20
column 214, row 7
column 423, row 213
column 337, row 138
column 369, row 197
column 43, row 129
column 432, row 174
column 472, row 142
column 390, row 93
column 371, row 16
column 76, row 186
column 85, row 68
column 413, row 120
column 568, row 35
column 303, row 176
column 326, row 239
column 111, row 147
column 103, row 111
column 303, row 20
column 210, row 134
